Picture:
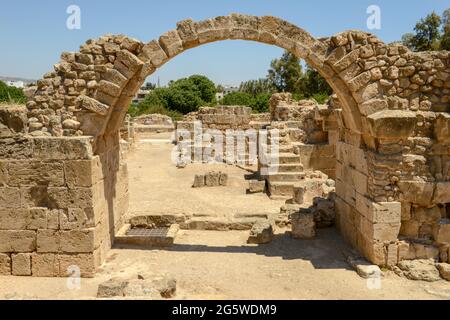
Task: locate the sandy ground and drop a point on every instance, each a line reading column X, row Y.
column 220, row 265
column 157, row 186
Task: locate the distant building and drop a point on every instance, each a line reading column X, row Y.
column 226, row 90
column 17, row 84
column 143, row 92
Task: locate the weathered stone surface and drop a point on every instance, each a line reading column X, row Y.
column 199, row 181
column 424, row 270
column 255, row 186
column 93, row 105
column 17, row 241
column 153, row 287
column 392, row 124
column 112, row 288
column 5, row 264
column 261, row 232
column 303, row 225
column 365, row 269
column 21, row 264
column 444, row 270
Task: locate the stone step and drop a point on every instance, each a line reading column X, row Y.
column 221, row 223
column 281, row 189
column 286, row 177
column 286, row 158
column 289, row 167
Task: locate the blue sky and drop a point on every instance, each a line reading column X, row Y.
column 34, row 33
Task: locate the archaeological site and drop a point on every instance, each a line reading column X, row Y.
column 372, row 163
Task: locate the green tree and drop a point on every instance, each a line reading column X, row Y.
column 445, row 41
column 256, row 87
column 285, row 74
column 207, row 87
column 11, row 94
column 314, row 83
column 427, row 36
column 180, row 97
column 261, row 103
column 237, row 99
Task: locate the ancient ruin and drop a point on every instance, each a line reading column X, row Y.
column 385, row 139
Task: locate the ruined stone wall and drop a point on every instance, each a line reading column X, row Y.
column 313, row 130
column 393, row 121
column 59, row 205
column 223, row 119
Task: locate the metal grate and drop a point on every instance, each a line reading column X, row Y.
column 151, row 233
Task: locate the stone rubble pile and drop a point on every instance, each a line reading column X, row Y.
column 210, row 179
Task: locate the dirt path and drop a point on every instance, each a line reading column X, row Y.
column 158, row 187
column 220, row 265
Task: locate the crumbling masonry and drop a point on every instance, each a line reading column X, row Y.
column 63, row 184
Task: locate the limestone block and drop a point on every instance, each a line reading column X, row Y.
column 21, row 264
column 82, row 173
column 37, row 219
column 420, row 270
column 380, row 231
column 392, row 124
column 303, row 225
column 187, row 32
column 77, row 264
column 44, row 265
column 171, row 43
column 199, row 181
column 261, row 232
column 114, row 76
column 76, row 218
column 62, row 148
column 392, row 255
column 127, row 63
column 27, row 173
column 376, row 252
column 384, row 212
column 64, row 198
column 223, row 179
column 10, row 198
column 299, row 195
column 410, row 229
column 17, row 241
column 423, row 251
column 444, row 270
column 13, row 219
column 5, row 264
column 153, row 52
column 442, row 193
column 109, row 88
column 48, row 241
column 255, row 186
column 78, row 241
column 212, row 179
column 442, row 127
column 417, row 192
column 441, row 231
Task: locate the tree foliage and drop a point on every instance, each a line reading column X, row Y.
column 11, row 94
column 257, row 87
column 430, row 33
column 237, row 99
column 180, row 97
column 285, row 73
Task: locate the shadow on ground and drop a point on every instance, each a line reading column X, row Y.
column 327, row 251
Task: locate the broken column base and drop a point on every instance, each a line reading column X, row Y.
column 261, row 232
column 303, row 225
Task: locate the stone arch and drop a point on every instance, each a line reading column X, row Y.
column 119, row 65
column 393, row 153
